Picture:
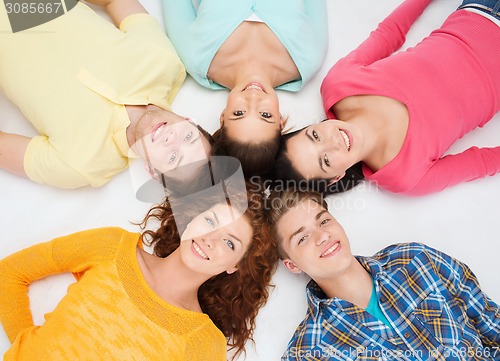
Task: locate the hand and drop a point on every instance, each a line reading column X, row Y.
column 12, row 149
column 120, row 9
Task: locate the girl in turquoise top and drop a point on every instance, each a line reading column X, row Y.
column 250, row 47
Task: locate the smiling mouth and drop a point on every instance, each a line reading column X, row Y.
column 255, row 86
column 330, row 250
column 347, row 140
column 156, row 130
column 199, row 251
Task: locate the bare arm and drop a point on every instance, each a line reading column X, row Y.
column 120, row 9
column 12, row 150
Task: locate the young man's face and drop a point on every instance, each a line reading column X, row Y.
column 314, row 241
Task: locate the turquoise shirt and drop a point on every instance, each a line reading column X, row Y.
column 197, row 34
column 374, row 308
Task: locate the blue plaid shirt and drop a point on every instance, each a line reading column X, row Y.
column 433, row 302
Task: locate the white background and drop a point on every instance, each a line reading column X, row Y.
column 462, row 221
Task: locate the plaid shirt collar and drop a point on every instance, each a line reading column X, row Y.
column 316, row 297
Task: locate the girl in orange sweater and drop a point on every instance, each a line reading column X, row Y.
column 182, row 303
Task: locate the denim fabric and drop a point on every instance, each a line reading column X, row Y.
column 490, row 7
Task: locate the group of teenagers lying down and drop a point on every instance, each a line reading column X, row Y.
column 189, row 284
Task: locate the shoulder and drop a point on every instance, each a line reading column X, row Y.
column 401, row 255
column 101, row 241
column 421, row 260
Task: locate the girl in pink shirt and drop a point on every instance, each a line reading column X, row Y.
column 393, row 116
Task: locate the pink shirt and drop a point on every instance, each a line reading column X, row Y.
column 450, row 83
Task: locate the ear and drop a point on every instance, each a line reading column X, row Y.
column 282, row 122
column 336, row 179
column 292, row 267
column 221, row 118
column 151, row 171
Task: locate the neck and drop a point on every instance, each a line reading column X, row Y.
column 244, row 72
column 373, row 145
column 172, row 280
column 354, row 284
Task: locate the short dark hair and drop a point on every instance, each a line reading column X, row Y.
column 257, row 158
column 284, row 170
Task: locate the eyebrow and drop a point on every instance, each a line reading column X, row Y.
column 215, row 216
column 301, row 229
column 318, row 216
column 261, row 118
column 309, row 135
column 179, row 158
column 267, row 120
column 196, row 136
column 236, row 238
column 320, row 162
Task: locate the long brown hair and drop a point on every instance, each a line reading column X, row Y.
column 257, row 158
column 230, row 300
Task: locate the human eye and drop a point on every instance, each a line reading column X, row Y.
column 229, row 243
column 324, row 221
column 188, row 136
column 326, row 160
column 301, row 240
column 210, row 221
column 315, row 135
column 266, row 115
column 238, row 113
column 172, row 158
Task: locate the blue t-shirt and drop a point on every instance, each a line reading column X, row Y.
column 198, row 33
column 374, row 308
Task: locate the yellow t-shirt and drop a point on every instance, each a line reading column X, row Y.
column 110, row 313
column 71, row 78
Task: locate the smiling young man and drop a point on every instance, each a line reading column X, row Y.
column 407, row 302
column 91, row 101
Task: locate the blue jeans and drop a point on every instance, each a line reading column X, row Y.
column 490, row 7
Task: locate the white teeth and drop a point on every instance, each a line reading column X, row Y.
column 158, row 131
column 346, row 139
column 253, row 86
column 199, row 251
column 330, row 250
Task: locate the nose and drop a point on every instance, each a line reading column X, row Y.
column 209, row 240
column 321, row 236
column 172, row 139
column 330, row 145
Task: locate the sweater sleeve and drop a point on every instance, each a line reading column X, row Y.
column 452, row 169
column 73, row 253
column 463, row 284
column 389, row 36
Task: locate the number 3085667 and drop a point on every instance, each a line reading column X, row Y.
column 33, row 8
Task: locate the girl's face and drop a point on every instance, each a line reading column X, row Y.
column 252, row 113
column 167, row 141
column 216, row 240
column 325, row 150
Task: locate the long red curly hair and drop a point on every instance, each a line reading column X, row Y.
column 231, row 300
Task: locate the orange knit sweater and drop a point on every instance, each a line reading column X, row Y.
column 110, row 313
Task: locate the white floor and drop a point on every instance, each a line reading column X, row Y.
column 461, row 221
